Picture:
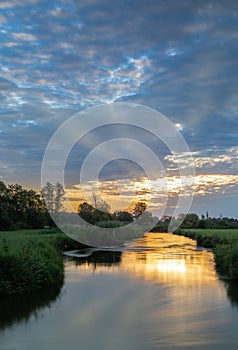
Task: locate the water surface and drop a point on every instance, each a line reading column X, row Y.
column 161, row 292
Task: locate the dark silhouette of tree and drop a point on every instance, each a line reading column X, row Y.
column 87, row 212
column 139, row 209
column 96, row 214
column 21, row 208
column 124, row 216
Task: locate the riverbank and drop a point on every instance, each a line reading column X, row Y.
column 31, row 260
column 224, row 243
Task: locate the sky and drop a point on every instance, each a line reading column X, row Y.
column 58, row 58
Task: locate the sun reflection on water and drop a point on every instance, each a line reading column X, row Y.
column 157, row 257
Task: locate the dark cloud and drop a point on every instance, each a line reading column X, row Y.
column 60, row 57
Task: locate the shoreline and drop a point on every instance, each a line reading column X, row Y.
column 32, row 260
column 223, row 243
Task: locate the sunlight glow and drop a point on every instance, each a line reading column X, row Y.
column 123, row 194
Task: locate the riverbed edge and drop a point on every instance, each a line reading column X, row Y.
column 224, row 247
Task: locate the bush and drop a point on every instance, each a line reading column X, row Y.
column 35, row 266
column 226, row 258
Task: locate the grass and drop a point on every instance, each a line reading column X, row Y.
column 105, row 236
column 224, row 243
column 31, row 260
column 221, row 233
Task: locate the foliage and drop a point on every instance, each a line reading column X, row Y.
column 53, row 196
column 226, row 258
column 192, row 221
column 91, row 214
column 189, row 221
column 35, row 266
column 99, row 214
column 31, row 260
column 139, row 209
column 123, row 216
column 21, row 208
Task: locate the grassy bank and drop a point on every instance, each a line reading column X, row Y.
column 31, row 260
column 224, row 243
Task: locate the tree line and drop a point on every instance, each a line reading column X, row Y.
column 193, row 221
column 26, row 208
column 22, row 208
column 99, row 213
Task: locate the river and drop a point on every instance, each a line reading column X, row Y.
column 160, row 292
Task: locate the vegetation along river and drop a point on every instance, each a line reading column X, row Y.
column 159, row 292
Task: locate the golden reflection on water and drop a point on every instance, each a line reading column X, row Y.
column 159, row 257
column 170, row 259
column 171, row 293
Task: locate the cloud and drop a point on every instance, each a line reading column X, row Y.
column 210, row 161
column 24, row 36
column 59, row 58
column 121, row 194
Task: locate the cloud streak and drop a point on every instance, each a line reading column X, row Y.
column 57, row 58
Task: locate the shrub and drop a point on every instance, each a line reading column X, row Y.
column 226, row 258
column 35, row 266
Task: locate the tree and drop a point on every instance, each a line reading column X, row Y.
column 59, row 196
column 86, row 212
column 190, row 220
column 123, row 216
column 53, row 196
column 5, row 213
column 139, row 209
column 93, row 215
column 48, row 195
column 21, row 208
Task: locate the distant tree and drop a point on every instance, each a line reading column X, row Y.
column 139, row 209
column 59, row 196
column 48, row 195
column 86, row 212
column 190, row 220
column 123, row 216
column 53, row 196
column 95, row 214
column 201, row 224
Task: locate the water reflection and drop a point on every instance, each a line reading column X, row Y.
column 158, row 293
column 17, row 309
column 159, row 257
column 232, row 292
column 162, row 257
column 170, row 259
column 94, row 259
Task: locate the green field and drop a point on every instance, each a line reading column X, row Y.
column 31, row 260
column 221, row 233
